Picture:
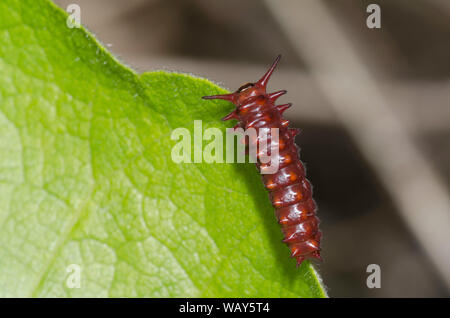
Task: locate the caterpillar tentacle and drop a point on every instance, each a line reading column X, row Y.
column 289, row 190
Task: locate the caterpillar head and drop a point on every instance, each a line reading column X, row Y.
column 249, row 90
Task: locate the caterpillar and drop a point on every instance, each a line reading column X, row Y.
column 289, row 190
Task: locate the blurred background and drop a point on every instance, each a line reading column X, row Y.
column 373, row 106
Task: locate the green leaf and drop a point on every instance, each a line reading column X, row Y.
column 86, row 178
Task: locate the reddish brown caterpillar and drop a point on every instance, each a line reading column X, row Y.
column 289, row 190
